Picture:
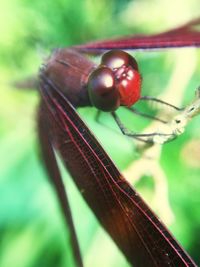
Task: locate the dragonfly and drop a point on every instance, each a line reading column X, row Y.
column 68, row 80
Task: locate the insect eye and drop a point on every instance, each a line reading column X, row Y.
column 115, row 59
column 101, row 89
column 127, row 76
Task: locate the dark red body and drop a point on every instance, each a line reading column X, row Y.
column 69, row 70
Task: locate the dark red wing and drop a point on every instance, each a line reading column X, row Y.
column 133, row 226
column 49, row 159
column 187, row 35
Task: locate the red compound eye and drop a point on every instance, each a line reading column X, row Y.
column 115, row 59
column 101, row 89
column 127, row 76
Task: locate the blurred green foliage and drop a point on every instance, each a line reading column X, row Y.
column 32, row 232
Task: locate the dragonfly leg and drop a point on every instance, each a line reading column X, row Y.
column 146, row 137
column 98, row 120
column 56, row 179
column 150, row 98
column 137, row 112
column 97, row 116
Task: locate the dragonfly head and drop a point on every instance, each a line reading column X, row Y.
column 116, row 81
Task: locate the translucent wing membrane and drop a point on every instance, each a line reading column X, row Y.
column 186, row 35
column 142, row 238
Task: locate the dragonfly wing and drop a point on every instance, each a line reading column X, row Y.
column 186, row 35
column 139, row 234
column 51, row 165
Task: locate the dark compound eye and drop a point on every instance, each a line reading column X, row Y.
column 101, row 89
column 115, row 59
column 127, row 76
column 115, row 82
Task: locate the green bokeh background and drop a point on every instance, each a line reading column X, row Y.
column 32, row 231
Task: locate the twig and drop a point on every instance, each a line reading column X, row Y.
column 149, row 163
